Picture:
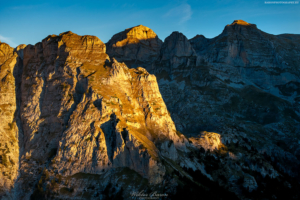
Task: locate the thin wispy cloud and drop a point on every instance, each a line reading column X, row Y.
column 184, row 12
column 8, row 41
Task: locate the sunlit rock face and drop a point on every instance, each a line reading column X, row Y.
column 207, row 140
column 76, row 111
column 240, row 22
column 135, row 46
column 10, row 130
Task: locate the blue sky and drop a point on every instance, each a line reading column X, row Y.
column 28, row 22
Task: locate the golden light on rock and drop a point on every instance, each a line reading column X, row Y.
column 239, row 22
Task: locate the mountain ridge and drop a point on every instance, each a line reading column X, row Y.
column 224, row 110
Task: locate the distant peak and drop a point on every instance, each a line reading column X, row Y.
column 240, row 22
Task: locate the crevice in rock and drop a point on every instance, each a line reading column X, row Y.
column 17, row 73
column 80, row 88
column 124, row 134
column 109, row 130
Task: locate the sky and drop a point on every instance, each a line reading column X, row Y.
column 28, row 22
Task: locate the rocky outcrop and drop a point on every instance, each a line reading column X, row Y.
column 207, row 140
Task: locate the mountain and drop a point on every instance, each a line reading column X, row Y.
column 242, row 84
column 212, row 118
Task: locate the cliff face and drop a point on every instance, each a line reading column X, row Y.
column 80, row 113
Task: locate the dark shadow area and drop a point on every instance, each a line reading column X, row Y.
column 124, row 134
column 201, row 188
column 109, row 130
column 17, row 73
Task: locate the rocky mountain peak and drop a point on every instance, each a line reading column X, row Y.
column 134, row 45
column 239, row 26
column 178, row 45
column 140, row 32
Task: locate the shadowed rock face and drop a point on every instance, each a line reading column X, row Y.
column 237, row 86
